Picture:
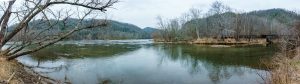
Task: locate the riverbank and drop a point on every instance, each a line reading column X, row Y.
column 296, row 77
column 229, row 41
column 226, row 41
column 285, row 68
column 13, row 72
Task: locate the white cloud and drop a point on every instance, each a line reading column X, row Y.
column 144, row 12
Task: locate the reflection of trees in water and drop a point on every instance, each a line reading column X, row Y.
column 220, row 63
column 170, row 52
column 42, row 69
column 217, row 73
column 63, row 54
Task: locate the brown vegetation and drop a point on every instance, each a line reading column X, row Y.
column 229, row 41
column 285, row 66
column 284, row 69
column 12, row 72
column 281, row 70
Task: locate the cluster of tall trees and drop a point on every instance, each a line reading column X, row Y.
column 221, row 22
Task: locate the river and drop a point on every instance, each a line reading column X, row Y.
column 145, row 62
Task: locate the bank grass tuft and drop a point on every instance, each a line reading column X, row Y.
column 13, row 72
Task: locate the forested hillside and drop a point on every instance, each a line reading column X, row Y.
column 221, row 22
column 114, row 30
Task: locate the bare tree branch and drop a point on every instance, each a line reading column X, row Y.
column 25, row 31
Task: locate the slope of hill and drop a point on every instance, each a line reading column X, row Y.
column 271, row 21
column 150, row 31
column 117, row 30
column 255, row 24
column 114, row 30
column 281, row 15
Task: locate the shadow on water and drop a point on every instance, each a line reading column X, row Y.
column 150, row 63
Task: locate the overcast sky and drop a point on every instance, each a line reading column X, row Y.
column 143, row 13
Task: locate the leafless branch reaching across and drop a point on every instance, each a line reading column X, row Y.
column 18, row 29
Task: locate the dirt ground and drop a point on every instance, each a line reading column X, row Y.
column 13, row 72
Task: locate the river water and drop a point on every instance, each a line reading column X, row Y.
column 144, row 62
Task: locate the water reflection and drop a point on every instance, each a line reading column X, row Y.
column 150, row 64
column 219, row 63
column 249, row 56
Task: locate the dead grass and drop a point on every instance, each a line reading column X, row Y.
column 281, row 70
column 284, row 68
column 12, row 72
column 229, row 41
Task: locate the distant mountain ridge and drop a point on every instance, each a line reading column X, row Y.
column 113, row 31
column 150, row 30
column 281, row 15
column 262, row 22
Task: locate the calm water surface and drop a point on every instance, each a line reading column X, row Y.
column 142, row 62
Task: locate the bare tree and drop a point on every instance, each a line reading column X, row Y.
column 164, row 30
column 16, row 39
column 238, row 26
column 196, row 15
column 218, row 9
column 184, row 30
column 169, row 29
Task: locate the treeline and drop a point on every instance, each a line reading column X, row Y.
column 113, row 31
column 221, row 22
